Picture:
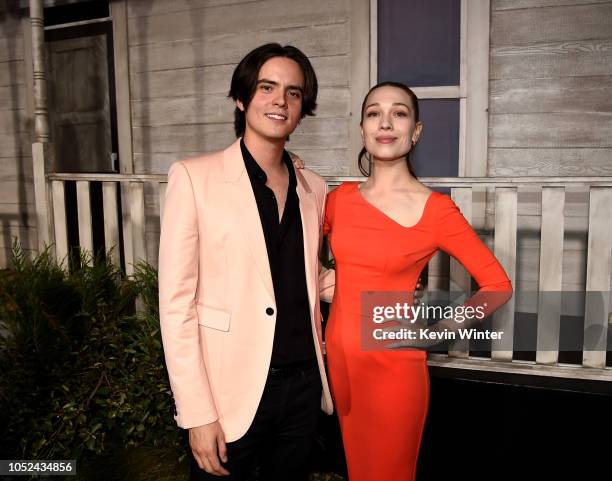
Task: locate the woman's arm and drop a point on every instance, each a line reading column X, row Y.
column 456, row 237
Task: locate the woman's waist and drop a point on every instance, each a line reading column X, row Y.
column 354, row 284
column 366, row 301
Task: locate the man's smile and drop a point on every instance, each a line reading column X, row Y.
column 276, row 116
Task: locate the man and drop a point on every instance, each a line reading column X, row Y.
column 238, row 283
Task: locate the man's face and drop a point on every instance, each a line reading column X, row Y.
column 276, row 107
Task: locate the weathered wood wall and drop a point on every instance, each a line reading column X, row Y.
column 17, row 210
column 182, row 55
column 551, row 77
column 551, row 113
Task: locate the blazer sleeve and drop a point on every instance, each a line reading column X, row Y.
column 456, row 237
column 178, row 283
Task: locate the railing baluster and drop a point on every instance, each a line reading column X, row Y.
column 137, row 208
column 59, row 220
column 460, row 279
column 597, row 306
column 436, row 272
column 505, row 251
column 162, row 199
column 111, row 221
column 84, row 218
column 126, row 222
column 551, row 274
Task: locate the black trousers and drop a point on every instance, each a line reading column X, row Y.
column 278, row 443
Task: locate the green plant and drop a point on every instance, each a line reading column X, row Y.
column 79, row 367
column 147, row 391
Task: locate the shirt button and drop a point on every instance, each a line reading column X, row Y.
column 269, row 311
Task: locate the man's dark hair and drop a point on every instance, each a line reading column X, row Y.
column 244, row 79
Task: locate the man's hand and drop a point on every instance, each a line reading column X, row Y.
column 208, row 445
column 297, row 162
column 418, row 292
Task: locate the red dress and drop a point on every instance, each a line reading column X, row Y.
column 382, row 397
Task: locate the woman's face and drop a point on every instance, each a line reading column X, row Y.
column 389, row 128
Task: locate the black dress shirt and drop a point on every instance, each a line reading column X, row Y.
column 293, row 339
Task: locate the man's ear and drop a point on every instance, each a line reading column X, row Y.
column 240, row 105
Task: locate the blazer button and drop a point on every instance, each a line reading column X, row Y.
column 269, row 311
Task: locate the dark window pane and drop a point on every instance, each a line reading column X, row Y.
column 437, row 152
column 67, row 12
column 418, row 42
column 81, row 96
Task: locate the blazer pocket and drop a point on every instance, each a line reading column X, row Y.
column 213, row 318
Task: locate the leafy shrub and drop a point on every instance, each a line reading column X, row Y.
column 79, row 367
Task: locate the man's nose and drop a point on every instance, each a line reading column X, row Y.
column 280, row 99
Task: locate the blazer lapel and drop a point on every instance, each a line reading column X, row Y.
column 245, row 208
column 310, row 227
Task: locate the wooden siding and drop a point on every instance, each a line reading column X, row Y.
column 182, row 55
column 550, row 114
column 550, row 74
column 17, row 211
column 181, row 59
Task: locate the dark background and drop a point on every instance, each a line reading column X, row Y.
column 484, row 429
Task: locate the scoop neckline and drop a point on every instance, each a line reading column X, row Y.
column 389, row 218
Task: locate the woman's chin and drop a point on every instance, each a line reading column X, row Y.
column 390, row 158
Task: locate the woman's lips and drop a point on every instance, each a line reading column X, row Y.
column 385, row 140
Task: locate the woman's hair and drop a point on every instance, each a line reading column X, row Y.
column 415, row 109
column 244, row 79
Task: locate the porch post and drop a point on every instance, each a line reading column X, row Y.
column 41, row 125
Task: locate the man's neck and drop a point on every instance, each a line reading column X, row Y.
column 268, row 154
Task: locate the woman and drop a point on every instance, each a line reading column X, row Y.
column 382, row 233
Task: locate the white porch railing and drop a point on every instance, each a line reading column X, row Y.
column 471, row 196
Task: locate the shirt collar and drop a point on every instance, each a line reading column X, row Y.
column 256, row 173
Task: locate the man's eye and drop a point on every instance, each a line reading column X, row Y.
column 295, row 94
column 401, row 114
column 266, row 88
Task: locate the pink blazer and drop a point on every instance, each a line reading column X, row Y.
column 215, row 286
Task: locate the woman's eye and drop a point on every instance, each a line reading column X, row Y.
column 295, row 94
column 401, row 114
column 266, row 88
column 372, row 114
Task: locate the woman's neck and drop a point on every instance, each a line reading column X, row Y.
column 390, row 175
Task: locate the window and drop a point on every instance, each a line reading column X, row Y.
column 440, row 48
column 81, row 86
